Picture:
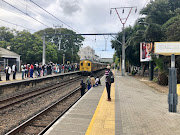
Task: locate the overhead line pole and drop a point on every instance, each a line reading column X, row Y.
column 123, row 38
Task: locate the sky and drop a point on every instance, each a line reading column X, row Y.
column 81, row 16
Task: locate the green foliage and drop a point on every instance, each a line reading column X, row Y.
column 159, row 64
column 133, row 72
column 67, row 43
column 30, row 46
column 6, row 34
column 171, row 29
column 157, row 12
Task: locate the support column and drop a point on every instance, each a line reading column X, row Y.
column 172, row 96
column 44, row 51
column 123, row 52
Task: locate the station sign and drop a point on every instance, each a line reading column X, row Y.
column 167, row 48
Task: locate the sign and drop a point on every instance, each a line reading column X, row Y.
column 167, row 48
column 145, row 51
column 68, row 62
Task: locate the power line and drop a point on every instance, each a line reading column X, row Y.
column 15, row 24
column 53, row 15
column 25, row 13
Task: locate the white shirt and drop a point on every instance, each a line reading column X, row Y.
column 97, row 80
column 13, row 68
column 22, row 68
column 9, row 69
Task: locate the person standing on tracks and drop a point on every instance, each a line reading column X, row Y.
column 14, row 70
column 108, row 75
column 82, row 87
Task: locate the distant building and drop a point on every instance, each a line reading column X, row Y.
column 106, row 60
column 97, row 58
column 87, row 53
column 8, row 58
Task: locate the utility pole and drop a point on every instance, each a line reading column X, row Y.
column 59, row 39
column 123, row 30
column 44, row 51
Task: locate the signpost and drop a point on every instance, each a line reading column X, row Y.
column 170, row 48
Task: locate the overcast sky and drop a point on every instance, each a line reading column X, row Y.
column 84, row 16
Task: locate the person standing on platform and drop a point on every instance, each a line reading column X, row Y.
column 92, row 81
column 14, row 70
column 88, row 82
column 8, row 72
column 108, row 75
column 23, row 71
column 31, row 70
column 82, row 87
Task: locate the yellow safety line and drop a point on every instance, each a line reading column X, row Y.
column 95, row 114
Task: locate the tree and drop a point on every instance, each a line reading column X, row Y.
column 28, row 45
column 171, row 29
column 157, row 12
column 68, row 43
column 6, row 34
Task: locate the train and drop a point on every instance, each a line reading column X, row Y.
column 87, row 67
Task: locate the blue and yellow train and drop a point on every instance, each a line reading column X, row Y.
column 88, row 67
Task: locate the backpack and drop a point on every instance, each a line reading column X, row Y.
column 110, row 77
column 88, row 81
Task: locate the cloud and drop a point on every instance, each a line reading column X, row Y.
column 85, row 16
column 70, row 7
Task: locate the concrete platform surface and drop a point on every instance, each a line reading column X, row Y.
column 139, row 110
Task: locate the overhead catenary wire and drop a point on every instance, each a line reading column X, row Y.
column 25, row 13
column 32, row 9
column 56, row 17
column 53, row 15
column 16, row 24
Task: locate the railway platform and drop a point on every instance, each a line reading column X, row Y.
column 135, row 109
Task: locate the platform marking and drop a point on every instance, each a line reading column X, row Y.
column 104, row 117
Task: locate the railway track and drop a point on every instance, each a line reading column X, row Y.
column 25, row 96
column 40, row 122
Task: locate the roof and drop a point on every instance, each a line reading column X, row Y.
column 7, row 53
column 87, row 47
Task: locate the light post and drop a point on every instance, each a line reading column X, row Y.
column 123, row 30
column 63, row 58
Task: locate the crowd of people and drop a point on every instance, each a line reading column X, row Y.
column 92, row 81
column 39, row 70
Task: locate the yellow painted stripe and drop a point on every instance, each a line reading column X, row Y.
column 95, row 114
column 103, row 120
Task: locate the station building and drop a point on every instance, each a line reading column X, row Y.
column 8, row 58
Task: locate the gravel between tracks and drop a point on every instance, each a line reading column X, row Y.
column 16, row 115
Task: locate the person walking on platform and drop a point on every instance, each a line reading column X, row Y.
column 14, row 70
column 108, row 75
